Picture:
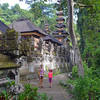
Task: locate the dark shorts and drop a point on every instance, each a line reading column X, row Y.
column 41, row 77
column 50, row 80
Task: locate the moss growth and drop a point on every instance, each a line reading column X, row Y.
column 6, row 62
column 7, row 65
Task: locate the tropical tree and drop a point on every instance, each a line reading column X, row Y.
column 89, row 18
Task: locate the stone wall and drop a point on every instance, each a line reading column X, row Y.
column 56, row 57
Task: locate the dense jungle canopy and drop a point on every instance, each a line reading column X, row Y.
column 39, row 13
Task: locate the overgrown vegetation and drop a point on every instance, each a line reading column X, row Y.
column 9, row 42
column 86, row 88
column 29, row 93
column 39, row 13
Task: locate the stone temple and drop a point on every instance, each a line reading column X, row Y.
column 52, row 50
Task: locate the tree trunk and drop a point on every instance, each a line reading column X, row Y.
column 78, row 60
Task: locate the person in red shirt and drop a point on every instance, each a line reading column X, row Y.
column 50, row 76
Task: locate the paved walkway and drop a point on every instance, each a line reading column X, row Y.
column 56, row 92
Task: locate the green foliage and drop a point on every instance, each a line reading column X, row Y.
column 86, row 88
column 10, row 83
column 30, row 93
column 26, row 48
column 39, row 13
column 46, row 67
column 56, row 72
column 11, row 39
column 4, row 21
column 82, row 88
column 97, row 58
column 46, row 14
column 5, row 95
column 74, row 71
column 43, row 96
column 88, row 27
column 9, row 42
column 70, row 44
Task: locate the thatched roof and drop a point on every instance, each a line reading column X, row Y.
column 52, row 39
column 60, row 31
column 24, row 25
column 59, row 36
column 59, row 1
column 60, row 19
column 60, row 25
column 3, row 27
column 7, row 63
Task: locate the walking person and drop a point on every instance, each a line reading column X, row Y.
column 50, row 76
column 41, row 76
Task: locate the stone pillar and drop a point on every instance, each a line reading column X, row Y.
column 51, row 49
column 43, row 54
column 17, row 76
column 43, row 48
column 57, row 51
